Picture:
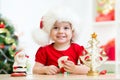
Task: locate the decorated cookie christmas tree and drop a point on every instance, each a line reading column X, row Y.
column 94, row 56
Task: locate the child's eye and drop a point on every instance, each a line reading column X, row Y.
column 55, row 27
column 66, row 28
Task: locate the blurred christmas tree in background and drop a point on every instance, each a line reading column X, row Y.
column 8, row 45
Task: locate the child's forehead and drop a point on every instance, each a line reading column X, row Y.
column 62, row 23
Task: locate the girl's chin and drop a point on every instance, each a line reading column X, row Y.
column 61, row 42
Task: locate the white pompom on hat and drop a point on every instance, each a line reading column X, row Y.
column 41, row 35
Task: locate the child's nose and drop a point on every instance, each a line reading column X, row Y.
column 61, row 30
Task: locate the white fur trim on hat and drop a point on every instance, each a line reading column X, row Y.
column 49, row 19
column 40, row 37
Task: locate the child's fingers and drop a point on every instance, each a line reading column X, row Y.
column 68, row 62
column 52, row 70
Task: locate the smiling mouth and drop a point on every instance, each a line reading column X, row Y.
column 61, row 37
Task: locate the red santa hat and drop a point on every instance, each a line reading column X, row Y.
column 41, row 36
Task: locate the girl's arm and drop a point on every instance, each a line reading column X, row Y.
column 41, row 69
column 69, row 66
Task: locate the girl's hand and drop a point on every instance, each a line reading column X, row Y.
column 69, row 66
column 51, row 70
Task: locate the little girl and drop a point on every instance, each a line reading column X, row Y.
column 60, row 27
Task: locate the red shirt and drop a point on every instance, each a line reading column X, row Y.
column 48, row 55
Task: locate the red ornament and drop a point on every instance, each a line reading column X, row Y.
column 103, row 72
column 2, row 25
column 2, row 46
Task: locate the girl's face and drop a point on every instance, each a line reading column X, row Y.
column 61, row 32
